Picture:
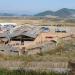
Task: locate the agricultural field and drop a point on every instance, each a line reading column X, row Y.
column 38, row 21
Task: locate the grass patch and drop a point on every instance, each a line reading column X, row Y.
column 23, row 72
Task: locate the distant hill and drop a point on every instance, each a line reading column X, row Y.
column 65, row 12
column 45, row 13
column 12, row 14
column 6, row 14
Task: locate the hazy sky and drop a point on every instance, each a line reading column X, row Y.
column 35, row 5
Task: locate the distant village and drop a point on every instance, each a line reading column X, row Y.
column 32, row 39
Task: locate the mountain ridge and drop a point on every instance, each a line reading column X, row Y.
column 64, row 12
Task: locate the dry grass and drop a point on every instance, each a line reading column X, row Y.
column 65, row 56
column 53, row 21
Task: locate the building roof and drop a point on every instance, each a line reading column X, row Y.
column 31, row 31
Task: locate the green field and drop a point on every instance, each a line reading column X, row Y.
column 23, row 72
